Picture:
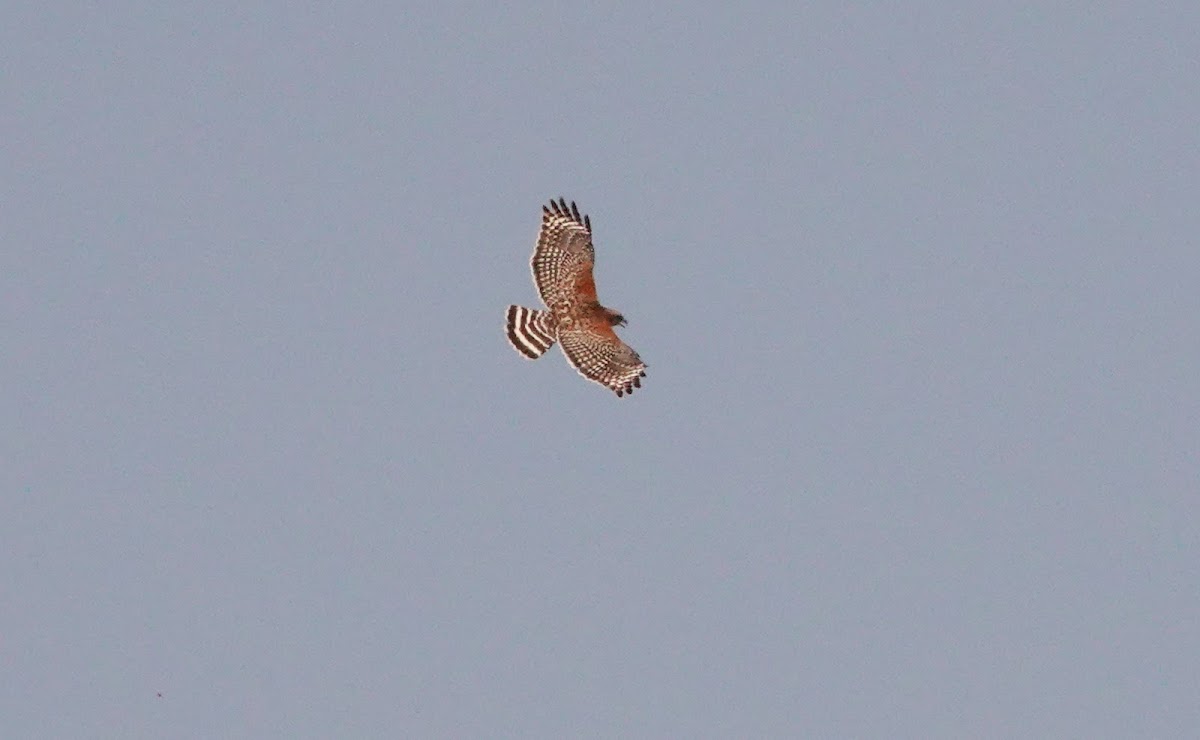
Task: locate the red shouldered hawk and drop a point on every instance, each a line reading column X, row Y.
column 562, row 271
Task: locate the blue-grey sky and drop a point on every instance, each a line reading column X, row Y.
column 916, row 456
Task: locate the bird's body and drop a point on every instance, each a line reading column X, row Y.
column 562, row 266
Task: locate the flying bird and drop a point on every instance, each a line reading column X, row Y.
column 562, row 272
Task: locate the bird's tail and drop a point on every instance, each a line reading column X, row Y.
column 529, row 331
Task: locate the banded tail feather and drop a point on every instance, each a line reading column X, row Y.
column 530, row 332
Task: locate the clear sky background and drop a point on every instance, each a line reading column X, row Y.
column 917, row 453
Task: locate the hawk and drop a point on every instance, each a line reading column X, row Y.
column 562, row 271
